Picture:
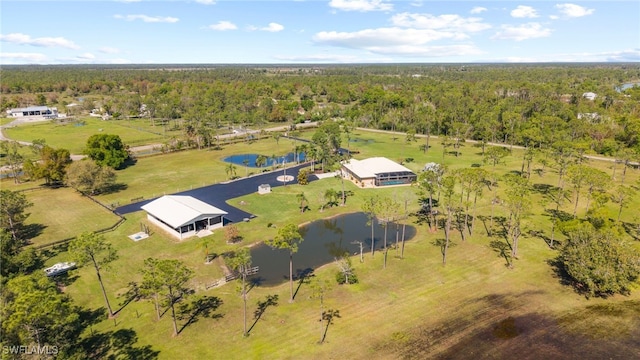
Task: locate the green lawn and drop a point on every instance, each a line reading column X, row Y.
column 73, row 135
column 156, row 175
column 415, row 308
column 6, row 120
column 62, row 213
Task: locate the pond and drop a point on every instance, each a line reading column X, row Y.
column 323, row 241
column 250, row 159
column 626, row 86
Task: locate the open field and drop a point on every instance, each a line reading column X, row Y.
column 73, row 134
column 473, row 307
column 63, row 213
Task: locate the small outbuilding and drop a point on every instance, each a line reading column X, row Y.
column 376, row 171
column 264, row 189
column 183, row 216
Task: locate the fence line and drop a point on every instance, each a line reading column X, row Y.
column 121, row 219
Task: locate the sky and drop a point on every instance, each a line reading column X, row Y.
column 317, row 31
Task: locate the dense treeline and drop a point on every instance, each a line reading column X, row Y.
column 530, row 105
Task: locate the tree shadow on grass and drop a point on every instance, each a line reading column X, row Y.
column 89, row 317
column 114, row 188
column 560, row 272
column 119, row 344
column 545, row 189
column 53, row 251
column 503, row 230
column 254, row 281
column 131, row 294
column 540, row 235
column 632, row 229
column 442, row 244
column 484, row 219
column 559, row 214
column 271, row 300
column 328, row 316
column 66, row 279
column 122, row 345
column 30, row 231
column 303, row 276
column 203, row 307
column 504, row 250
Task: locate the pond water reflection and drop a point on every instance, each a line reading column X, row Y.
column 324, row 240
column 250, row 159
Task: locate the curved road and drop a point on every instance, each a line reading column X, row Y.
column 218, row 194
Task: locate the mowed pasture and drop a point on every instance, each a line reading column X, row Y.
column 63, row 213
column 475, row 306
column 72, row 134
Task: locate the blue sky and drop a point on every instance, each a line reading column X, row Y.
column 317, row 31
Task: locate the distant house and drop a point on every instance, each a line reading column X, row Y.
column 589, row 96
column 591, row 117
column 183, row 216
column 43, row 112
column 376, row 171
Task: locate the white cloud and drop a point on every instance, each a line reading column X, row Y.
column 573, row 10
column 521, row 32
column 129, row 1
column 28, row 57
column 361, row 5
column 382, row 37
column 397, row 41
column 272, row 27
column 319, row 58
column 427, row 51
column 86, row 56
column 632, row 55
column 206, row 2
column 23, row 39
column 478, row 10
column 441, row 22
column 148, row 19
column 523, row 11
column 109, row 50
column 223, row 26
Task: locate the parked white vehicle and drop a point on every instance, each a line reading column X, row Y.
column 59, row 268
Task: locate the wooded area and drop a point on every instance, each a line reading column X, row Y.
column 524, row 190
column 528, row 105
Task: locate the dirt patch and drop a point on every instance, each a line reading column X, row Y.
column 504, row 328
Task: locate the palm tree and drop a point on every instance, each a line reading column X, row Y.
column 246, row 167
column 288, row 238
column 230, row 170
column 276, row 137
column 303, row 149
column 241, row 263
column 303, row 200
column 261, row 160
column 313, row 152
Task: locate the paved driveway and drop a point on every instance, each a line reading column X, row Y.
column 218, row 194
